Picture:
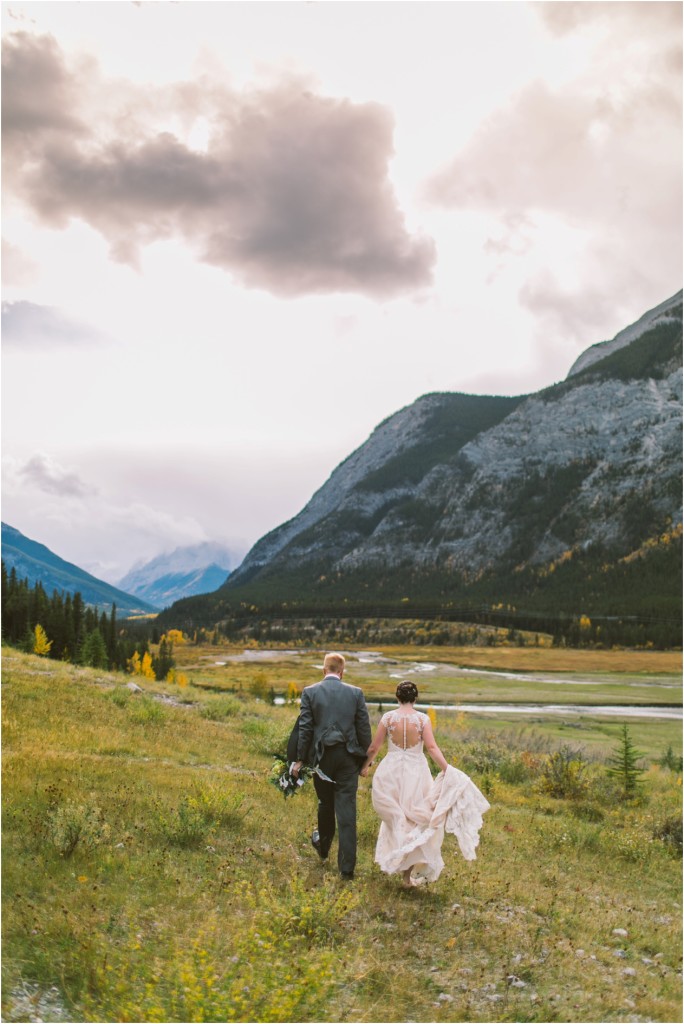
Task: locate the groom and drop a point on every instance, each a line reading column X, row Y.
column 334, row 722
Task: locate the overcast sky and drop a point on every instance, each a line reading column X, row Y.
column 237, row 236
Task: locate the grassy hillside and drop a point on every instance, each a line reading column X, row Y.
column 151, row 873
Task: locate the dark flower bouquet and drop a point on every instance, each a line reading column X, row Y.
column 288, row 785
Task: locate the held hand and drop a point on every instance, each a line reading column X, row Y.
column 294, row 769
column 364, row 771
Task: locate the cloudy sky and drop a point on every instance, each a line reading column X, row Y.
column 237, row 236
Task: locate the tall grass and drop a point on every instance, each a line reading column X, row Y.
column 150, row 873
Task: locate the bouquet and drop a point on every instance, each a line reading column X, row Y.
column 283, row 780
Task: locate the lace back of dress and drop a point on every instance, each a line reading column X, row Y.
column 405, row 731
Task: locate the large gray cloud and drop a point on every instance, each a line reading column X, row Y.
column 29, row 326
column 291, row 195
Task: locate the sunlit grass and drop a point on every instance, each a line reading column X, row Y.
column 202, row 898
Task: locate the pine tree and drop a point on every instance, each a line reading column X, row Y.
column 111, row 638
column 94, row 651
column 5, row 586
column 69, row 634
column 624, row 763
column 57, row 625
column 164, row 661
column 78, row 627
column 38, row 604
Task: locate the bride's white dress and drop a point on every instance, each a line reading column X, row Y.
column 415, row 810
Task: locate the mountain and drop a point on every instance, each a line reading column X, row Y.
column 566, row 501
column 35, row 562
column 669, row 311
column 196, row 569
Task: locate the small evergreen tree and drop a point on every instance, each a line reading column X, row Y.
column 671, row 760
column 624, row 763
column 94, row 650
column 164, row 662
column 111, row 638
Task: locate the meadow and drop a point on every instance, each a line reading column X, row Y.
column 540, row 674
column 152, row 873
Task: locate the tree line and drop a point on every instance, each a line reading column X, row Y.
column 64, row 628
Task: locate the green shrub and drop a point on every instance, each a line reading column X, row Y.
column 562, row 774
column 119, row 696
column 219, row 806
column 312, row 914
column 482, row 758
column 631, row 841
column 76, row 824
column 186, row 825
column 147, row 711
column 669, row 831
column 588, row 812
column 218, row 710
column 671, row 760
column 515, row 769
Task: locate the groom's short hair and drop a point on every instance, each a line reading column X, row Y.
column 334, row 663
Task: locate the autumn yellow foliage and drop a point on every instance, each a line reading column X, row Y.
column 41, row 644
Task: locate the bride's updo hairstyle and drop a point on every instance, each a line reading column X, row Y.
column 407, row 692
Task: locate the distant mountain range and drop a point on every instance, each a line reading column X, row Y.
column 35, row 562
column 566, row 501
column 195, row 569
column 148, row 587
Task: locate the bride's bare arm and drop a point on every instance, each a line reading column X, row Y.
column 431, row 746
column 378, row 741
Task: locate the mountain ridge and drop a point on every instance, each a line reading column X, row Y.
column 659, row 314
column 559, row 496
column 560, row 430
column 37, row 563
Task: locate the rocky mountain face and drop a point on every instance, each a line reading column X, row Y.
column 194, row 569
column 38, row 564
column 667, row 312
column 565, row 496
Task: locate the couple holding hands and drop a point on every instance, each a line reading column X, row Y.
column 415, row 810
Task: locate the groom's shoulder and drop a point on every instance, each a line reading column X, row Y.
column 356, row 690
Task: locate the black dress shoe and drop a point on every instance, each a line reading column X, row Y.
column 316, row 843
column 346, row 877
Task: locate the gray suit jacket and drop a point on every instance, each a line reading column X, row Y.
column 332, row 712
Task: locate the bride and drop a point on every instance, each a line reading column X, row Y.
column 415, row 810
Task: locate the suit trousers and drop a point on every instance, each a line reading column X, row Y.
column 337, row 800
